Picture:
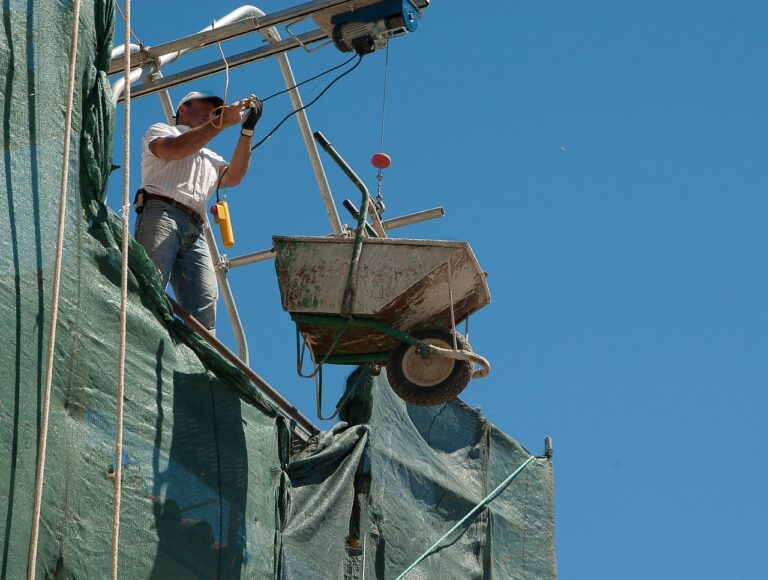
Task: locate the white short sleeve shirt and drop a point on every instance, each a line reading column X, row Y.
column 189, row 181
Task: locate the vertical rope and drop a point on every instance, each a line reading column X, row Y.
column 220, row 124
column 384, row 97
column 450, row 301
column 525, row 523
column 126, row 212
column 379, row 176
column 43, row 442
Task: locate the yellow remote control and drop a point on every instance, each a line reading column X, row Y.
column 221, row 217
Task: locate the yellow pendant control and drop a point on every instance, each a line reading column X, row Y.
column 221, row 217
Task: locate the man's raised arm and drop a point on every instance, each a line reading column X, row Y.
column 241, row 158
column 190, row 142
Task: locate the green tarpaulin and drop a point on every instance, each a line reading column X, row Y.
column 209, row 489
column 393, row 477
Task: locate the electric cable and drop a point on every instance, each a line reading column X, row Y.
column 310, row 103
column 295, row 111
column 310, row 79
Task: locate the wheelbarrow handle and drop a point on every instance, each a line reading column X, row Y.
column 322, row 140
column 469, row 356
column 344, row 166
column 350, row 207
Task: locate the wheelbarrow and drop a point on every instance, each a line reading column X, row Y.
column 384, row 302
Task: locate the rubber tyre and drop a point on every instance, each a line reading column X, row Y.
column 443, row 391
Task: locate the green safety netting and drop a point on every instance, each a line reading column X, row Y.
column 392, row 477
column 209, row 489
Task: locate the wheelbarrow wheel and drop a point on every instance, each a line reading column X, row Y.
column 429, row 381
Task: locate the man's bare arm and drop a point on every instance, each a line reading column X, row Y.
column 184, row 145
column 238, row 167
column 190, row 142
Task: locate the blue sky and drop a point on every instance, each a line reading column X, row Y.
column 607, row 162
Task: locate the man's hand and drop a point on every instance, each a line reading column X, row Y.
column 241, row 158
column 252, row 115
column 230, row 115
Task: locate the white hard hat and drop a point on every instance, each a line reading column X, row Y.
column 217, row 101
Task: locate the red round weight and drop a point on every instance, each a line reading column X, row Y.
column 381, row 160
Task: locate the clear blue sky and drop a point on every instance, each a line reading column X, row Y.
column 628, row 273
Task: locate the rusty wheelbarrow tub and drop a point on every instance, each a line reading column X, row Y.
column 401, row 313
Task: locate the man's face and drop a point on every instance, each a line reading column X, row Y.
column 195, row 112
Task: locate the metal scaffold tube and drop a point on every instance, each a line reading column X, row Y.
column 251, row 258
column 244, row 24
column 309, row 143
column 166, row 103
column 413, row 218
column 235, row 24
column 226, row 294
column 233, row 61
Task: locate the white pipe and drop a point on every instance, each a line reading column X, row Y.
column 136, row 74
column 165, row 101
column 148, row 69
column 119, row 51
column 237, row 14
column 262, row 51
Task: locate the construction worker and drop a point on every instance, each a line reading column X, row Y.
column 178, row 174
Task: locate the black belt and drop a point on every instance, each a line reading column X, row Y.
column 190, row 213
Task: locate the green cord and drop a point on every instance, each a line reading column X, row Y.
column 488, row 499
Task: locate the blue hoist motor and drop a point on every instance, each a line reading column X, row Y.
column 370, row 27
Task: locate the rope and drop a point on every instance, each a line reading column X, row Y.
column 450, row 301
column 136, row 38
column 226, row 74
column 43, row 442
column 118, row 471
column 488, row 499
column 226, row 90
